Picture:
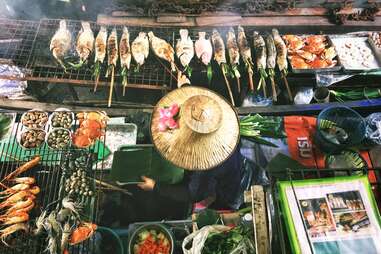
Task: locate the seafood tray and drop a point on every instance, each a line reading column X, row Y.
column 363, row 52
column 335, row 68
column 50, row 175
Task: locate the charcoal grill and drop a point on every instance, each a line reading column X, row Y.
column 48, row 175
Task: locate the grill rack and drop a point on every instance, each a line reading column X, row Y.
column 48, row 175
column 280, row 239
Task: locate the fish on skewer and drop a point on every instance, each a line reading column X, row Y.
column 85, row 44
column 245, row 51
column 162, row 49
column 112, row 58
column 233, row 52
column 140, row 48
column 185, row 50
column 125, row 56
column 60, row 43
column 100, row 53
column 261, row 57
column 220, row 58
column 271, row 62
column 204, row 52
column 281, row 59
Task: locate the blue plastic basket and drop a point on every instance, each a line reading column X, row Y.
column 339, row 119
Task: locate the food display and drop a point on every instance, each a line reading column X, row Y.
column 77, row 182
column 59, row 138
column 310, row 52
column 355, row 53
column 34, row 119
column 32, row 138
column 62, row 119
column 18, row 199
column 152, row 242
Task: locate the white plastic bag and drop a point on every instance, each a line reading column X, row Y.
column 199, row 237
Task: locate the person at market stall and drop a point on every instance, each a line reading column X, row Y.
column 213, row 170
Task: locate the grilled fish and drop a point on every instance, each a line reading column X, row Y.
column 281, row 49
column 184, row 48
column 112, row 48
column 140, row 48
column 124, row 49
column 271, row 62
column 100, row 45
column 219, row 47
column 244, row 47
column 245, row 51
column 260, row 50
column 85, row 42
column 203, row 48
column 232, row 46
column 162, row 49
column 60, row 43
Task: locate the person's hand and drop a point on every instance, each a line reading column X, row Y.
column 148, row 184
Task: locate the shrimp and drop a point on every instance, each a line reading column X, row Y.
column 20, row 205
column 24, row 180
column 65, row 236
column 15, row 198
column 14, row 189
column 34, row 190
column 15, row 218
column 4, row 233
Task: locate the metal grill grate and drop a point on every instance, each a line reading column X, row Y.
column 49, row 178
column 153, row 74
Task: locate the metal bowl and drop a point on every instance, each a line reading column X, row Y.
column 157, row 227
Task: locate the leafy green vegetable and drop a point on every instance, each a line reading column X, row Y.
column 226, row 242
column 5, row 124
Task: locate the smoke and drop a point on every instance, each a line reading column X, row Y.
column 21, row 9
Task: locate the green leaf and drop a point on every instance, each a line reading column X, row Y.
column 209, row 73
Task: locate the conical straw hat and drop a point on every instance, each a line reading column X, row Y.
column 208, row 130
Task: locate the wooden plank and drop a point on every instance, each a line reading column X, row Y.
column 171, row 18
column 260, row 218
column 26, row 105
column 138, row 21
column 218, row 20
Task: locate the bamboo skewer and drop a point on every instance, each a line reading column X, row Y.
column 273, row 88
column 111, row 85
column 287, row 87
column 125, row 86
column 238, row 85
column 251, row 82
column 228, row 85
column 96, row 83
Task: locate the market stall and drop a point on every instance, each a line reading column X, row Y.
column 190, row 127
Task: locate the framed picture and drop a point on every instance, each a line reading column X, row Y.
column 331, row 216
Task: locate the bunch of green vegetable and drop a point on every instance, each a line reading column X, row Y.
column 5, row 124
column 356, row 94
column 237, row 240
column 255, row 127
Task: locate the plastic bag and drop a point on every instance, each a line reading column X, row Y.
column 198, row 238
column 12, row 89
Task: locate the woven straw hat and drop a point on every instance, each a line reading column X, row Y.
column 208, row 130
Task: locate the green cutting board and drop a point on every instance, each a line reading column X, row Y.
column 131, row 162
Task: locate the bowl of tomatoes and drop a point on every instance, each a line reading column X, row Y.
column 151, row 239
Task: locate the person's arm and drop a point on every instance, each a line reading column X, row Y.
column 177, row 192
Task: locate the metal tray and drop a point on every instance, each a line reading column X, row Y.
column 376, row 51
column 347, row 69
column 336, row 68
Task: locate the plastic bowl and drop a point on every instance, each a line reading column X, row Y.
column 61, row 110
column 339, row 123
column 34, row 110
column 30, row 129
column 158, row 228
column 55, row 130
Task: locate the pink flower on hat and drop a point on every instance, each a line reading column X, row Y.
column 167, row 117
